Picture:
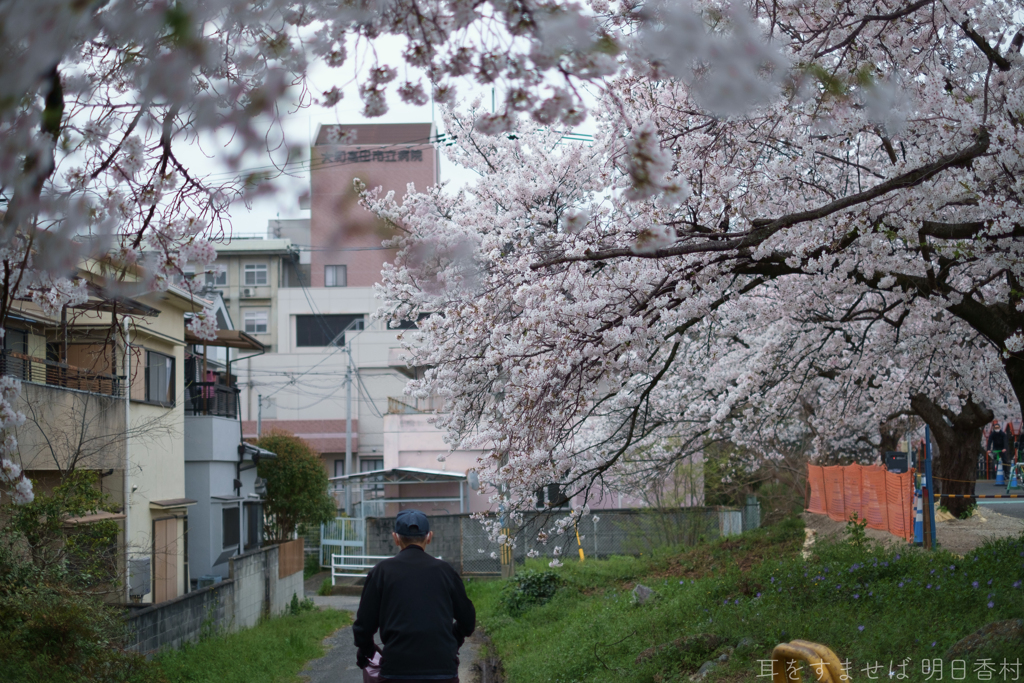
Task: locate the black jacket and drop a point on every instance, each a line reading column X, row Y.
column 422, row 611
column 997, row 441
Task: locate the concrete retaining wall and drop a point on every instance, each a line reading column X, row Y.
column 252, row 590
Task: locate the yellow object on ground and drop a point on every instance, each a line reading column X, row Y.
column 791, row 660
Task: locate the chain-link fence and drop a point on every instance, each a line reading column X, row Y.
column 462, row 541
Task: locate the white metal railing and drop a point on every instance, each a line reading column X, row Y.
column 353, row 565
column 342, row 565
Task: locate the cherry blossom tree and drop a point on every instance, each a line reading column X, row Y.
column 570, row 284
column 99, row 98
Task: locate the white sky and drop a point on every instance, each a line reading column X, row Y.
column 300, row 127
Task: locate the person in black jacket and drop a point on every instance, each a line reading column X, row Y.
column 997, row 447
column 420, row 607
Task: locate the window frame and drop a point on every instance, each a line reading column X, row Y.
column 255, row 313
column 255, row 269
column 235, row 530
column 331, row 275
column 308, row 329
column 217, row 276
column 149, row 390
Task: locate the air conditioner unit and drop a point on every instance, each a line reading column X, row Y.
column 249, row 292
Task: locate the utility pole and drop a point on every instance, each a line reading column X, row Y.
column 347, row 348
column 259, row 416
column 348, row 434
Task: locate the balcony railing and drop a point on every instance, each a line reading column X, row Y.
column 211, row 398
column 407, row 405
column 53, row 373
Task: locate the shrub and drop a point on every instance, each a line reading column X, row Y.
column 312, row 566
column 855, row 531
column 325, row 587
column 296, row 486
column 53, row 627
column 528, row 589
column 299, row 606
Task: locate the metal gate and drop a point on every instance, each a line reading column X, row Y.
column 342, row 536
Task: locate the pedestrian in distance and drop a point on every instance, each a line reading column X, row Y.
column 420, row 608
column 996, row 445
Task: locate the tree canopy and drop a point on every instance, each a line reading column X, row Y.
column 296, row 486
column 846, row 252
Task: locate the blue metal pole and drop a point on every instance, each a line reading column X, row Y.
column 930, row 502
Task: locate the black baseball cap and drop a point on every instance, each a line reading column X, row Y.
column 411, row 523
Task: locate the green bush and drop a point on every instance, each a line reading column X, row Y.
column 299, row 606
column 52, row 625
column 325, row 587
column 312, row 566
column 296, row 486
column 528, row 589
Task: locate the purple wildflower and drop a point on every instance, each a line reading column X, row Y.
column 933, row 643
column 758, row 595
column 856, row 596
column 974, row 584
column 990, row 582
column 1016, row 584
column 928, row 586
column 860, row 628
column 991, row 604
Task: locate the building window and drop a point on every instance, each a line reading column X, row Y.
column 339, row 468
column 371, row 464
column 552, row 496
column 217, row 276
column 229, row 526
column 319, row 330
column 335, row 276
column 256, row 322
column 255, row 274
column 253, row 525
column 159, row 378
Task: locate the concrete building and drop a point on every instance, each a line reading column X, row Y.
column 220, row 469
column 332, row 374
column 306, row 293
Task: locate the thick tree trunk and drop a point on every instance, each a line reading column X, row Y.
column 890, row 439
column 958, row 437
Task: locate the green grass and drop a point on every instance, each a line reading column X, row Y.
column 911, row 603
column 273, row 652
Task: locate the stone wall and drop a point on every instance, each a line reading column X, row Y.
column 252, row 590
column 184, row 619
column 447, row 543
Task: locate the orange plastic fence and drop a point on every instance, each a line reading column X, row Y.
column 885, row 499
